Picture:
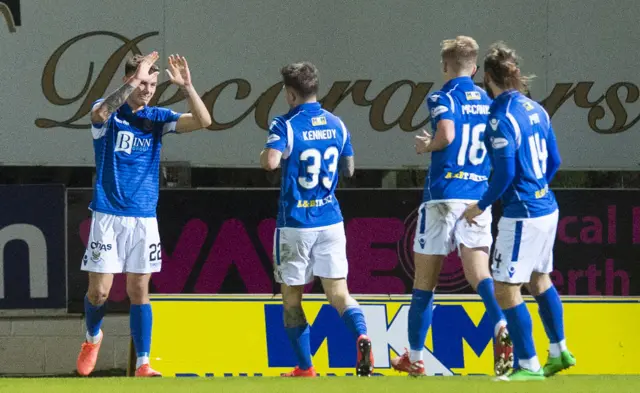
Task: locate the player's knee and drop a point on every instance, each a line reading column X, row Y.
column 341, row 301
column 427, row 271
column 539, row 284
column 138, row 289
column 97, row 296
column 507, row 295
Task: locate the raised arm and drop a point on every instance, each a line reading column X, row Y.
column 199, row 116
column 101, row 112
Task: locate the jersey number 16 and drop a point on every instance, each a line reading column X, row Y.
column 313, row 158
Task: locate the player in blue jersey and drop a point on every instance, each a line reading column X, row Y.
column 313, row 146
column 525, row 157
column 127, row 139
column 457, row 177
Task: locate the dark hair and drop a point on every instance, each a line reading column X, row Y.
column 302, row 77
column 502, row 64
column 132, row 65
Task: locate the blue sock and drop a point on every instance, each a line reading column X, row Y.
column 354, row 318
column 521, row 331
column 420, row 314
column 299, row 337
column 550, row 309
column 486, row 292
column 93, row 317
column 140, row 320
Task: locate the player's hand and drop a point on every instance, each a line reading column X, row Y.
column 178, row 71
column 471, row 212
column 142, row 72
column 422, row 142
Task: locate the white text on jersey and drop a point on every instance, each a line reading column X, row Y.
column 475, row 109
column 319, row 134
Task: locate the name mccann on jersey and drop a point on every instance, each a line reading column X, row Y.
column 319, row 134
column 315, row 202
column 475, row 109
column 465, row 176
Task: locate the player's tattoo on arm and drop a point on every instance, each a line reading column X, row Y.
column 294, row 316
column 347, row 166
column 115, row 100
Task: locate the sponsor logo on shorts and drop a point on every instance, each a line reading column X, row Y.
column 100, row 246
column 512, row 271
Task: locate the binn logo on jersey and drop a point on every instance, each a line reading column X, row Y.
column 127, row 142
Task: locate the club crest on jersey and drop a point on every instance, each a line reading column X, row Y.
column 127, row 142
column 319, row 121
column 494, row 123
column 472, row 95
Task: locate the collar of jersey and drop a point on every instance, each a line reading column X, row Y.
column 461, row 80
column 126, row 109
column 506, row 93
column 309, row 106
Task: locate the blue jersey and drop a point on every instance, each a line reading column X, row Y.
column 127, row 154
column 520, row 128
column 311, row 140
column 460, row 171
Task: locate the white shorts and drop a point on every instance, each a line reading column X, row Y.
column 441, row 229
column 119, row 244
column 524, row 246
column 301, row 254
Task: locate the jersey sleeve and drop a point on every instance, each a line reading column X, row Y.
column 441, row 107
column 553, row 158
column 277, row 138
column 501, row 136
column 97, row 129
column 96, row 125
column 168, row 118
column 347, row 147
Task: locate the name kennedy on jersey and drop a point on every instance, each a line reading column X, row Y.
column 315, row 135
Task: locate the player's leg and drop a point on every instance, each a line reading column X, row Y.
column 329, row 262
column 101, row 260
column 143, row 259
column 474, row 242
column 432, row 242
column 513, row 263
column 291, row 250
column 550, row 305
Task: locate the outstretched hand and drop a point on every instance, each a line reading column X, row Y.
column 178, row 71
column 142, row 72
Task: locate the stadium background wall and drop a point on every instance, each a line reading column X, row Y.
column 375, row 78
column 215, row 245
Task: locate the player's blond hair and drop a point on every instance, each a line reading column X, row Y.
column 461, row 53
